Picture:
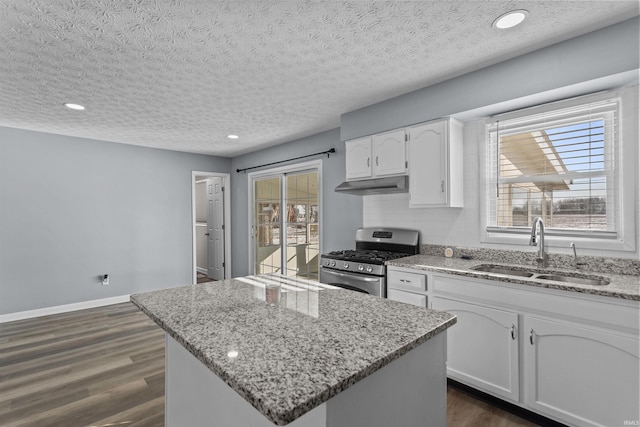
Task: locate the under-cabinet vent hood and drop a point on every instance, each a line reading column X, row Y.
column 394, row 184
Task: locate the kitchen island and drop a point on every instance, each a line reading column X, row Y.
column 265, row 350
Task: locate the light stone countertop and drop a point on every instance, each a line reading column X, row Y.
column 620, row 286
column 291, row 356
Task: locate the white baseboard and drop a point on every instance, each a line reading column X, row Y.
column 21, row 315
column 202, row 270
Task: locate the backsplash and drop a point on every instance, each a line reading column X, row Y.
column 587, row 263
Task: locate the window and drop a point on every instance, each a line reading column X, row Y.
column 561, row 165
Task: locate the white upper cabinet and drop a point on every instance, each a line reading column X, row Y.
column 435, row 164
column 389, row 154
column 358, row 158
column 376, row 156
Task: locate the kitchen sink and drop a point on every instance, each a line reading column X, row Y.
column 596, row 281
column 531, row 273
column 509, row 271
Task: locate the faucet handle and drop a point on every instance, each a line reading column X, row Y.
column 576, row 264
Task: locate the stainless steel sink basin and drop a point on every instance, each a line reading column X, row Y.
column 498, row 269
column 532, row 273
column 595, row 281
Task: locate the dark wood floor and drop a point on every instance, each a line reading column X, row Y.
column 105, row 367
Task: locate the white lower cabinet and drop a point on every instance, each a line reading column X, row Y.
column 483, row 347
column 406, row 286
column 579, row 375
column 407, row 297
column 571, row 357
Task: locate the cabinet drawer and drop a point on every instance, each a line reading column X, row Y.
column 407, row 297
column 407, row 281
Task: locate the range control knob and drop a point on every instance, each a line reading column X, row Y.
column 326, row 262
column 369, row 269
column 361, row 267
column 333, row 263
column 346, row 265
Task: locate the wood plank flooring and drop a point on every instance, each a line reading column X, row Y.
column 105, row 367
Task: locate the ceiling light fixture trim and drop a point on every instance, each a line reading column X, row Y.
column 233, row 136
column 510, row 19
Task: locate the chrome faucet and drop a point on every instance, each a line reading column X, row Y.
column 542, row 256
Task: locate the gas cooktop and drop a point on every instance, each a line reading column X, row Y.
column 365, row 256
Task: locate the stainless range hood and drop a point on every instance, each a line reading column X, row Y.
column 394, row 184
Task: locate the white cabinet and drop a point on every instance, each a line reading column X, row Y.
column 358, row 158
column 580, row 375
column 483, row 347
column 569, row 356
column 435, row 164
column 376, row 156
column 389, row 153
column 407, row 286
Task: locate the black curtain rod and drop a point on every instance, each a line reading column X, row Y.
column 328, row 153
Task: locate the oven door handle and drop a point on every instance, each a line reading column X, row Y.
column 354, row 275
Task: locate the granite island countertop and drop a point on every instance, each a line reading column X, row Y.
column 289, row 357
column 620, row 285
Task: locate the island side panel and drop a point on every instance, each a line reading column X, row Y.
column 410, row 391
column 196, row 397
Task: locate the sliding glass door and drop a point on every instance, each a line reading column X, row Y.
column 285, row 229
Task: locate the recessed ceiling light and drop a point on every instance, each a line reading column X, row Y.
column 510, row 19
column 233, row 136
column 74, row 106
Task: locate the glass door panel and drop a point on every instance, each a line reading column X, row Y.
column 267, row 223
column 286, row 218
column 301, row 223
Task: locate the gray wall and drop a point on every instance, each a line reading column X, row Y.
column 73, row 208
column 611, row 50
column 342, row 214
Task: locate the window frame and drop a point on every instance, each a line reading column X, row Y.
column 626, row 161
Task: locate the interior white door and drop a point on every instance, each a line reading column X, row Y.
column 215, row 227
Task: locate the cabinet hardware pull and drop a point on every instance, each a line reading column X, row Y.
column 368, row 161
column 531, row 336
column 376, row 160
column 442, row 186
column 405, row 281
column 513, row 332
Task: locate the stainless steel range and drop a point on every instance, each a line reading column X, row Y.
column 363, row 269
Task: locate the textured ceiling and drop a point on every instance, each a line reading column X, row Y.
column 181, row 75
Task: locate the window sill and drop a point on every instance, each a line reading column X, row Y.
column 554, row 240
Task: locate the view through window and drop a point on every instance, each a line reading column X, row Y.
column 559, row 165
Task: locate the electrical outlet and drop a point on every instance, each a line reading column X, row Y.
column 104, row 278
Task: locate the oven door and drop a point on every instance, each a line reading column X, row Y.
column 373, row 285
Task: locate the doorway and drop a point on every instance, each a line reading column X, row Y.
column 285, row 221
column 211, row 226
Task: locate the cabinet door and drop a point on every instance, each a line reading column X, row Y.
column 407, row 297
column 579, row 375
column 482, row 347
column 389, row 157
column 358, row 158
column 428, row 165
